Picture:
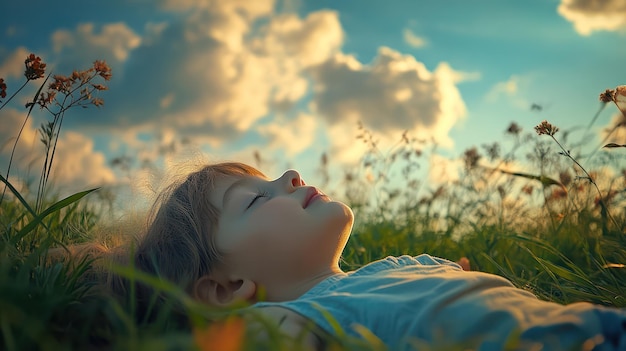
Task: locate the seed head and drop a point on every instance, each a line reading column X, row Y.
column 607, row 96
column 102, row 69
column 546, row 128
column 34, row 67
column 471, row 158
column 514, row 129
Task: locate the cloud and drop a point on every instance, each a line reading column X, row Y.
column 291, row 136
column 76, row 166
column 443, row 171
column 393, row 94
column 345, row 148
column 211, row 75
column 614, row 131
column 248, row 9
column 218, row 70
column 589, row 16
column 13, row 65
column 294, row 44
column 509, row 90
column 113, row 43
column 412, row 39
column 27, row 146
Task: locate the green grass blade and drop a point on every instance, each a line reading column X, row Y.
column 17, row 195
column 565, row 273
column 52, row 209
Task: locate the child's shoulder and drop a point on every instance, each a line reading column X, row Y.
column 407, row 262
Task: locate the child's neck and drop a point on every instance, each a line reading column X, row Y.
column 293, row 290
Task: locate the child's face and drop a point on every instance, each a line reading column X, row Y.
column 275, row 231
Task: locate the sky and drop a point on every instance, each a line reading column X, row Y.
column 290, row 80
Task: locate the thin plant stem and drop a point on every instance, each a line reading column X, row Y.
column 591, row 180
column 16, row 92
column 19, row 134
column 593, row 120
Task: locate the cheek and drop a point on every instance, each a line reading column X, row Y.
column 278, row 214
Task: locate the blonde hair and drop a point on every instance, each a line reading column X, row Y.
column 178, row 245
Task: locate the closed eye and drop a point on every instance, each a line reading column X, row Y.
column 260, row 194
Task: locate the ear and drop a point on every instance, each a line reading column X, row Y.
column 223, row 292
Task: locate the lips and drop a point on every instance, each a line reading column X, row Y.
column 311, row 195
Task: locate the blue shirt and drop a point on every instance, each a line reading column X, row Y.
column 410, row 301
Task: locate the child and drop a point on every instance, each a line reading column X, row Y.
column 228, row 234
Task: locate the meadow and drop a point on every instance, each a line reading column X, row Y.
column 544, row 211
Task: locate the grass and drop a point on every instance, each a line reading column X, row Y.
column 554, row 228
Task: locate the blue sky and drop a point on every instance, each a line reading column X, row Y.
column 290, row 79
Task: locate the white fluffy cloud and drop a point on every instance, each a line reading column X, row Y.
column 412, row 39
column 216, row 77
column 76, row 164
column 510, row 90
column 345, row 148
column 443, row 171
column 293, row 136
column 26, row 147
column 13, row 65
column 615, row 130
column 219, row 69
column 589, row 16
column 393, row 94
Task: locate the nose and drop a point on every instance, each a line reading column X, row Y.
column 291, row 179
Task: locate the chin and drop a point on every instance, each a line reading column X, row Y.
column 344, row 220
column 344, row 213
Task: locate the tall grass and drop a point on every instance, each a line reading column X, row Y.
column 532, row 213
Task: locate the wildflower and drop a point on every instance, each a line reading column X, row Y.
column 493, row 150
column 34, row 67
column 546, row 128
column 61, row 83
column 405, row 138
column 558, row 193
column 46, row 98
column 565, row 178
column 102, row 69
column 75, row 75
column 514, row 129
column 97, row 102
column 99, row 86
column 471, row 157
column 348, row 177
column 227, row 335
column 464, row 262
column 607, row 96
column 528, row 189
column 608, row 198
column 620, row 98
column 3, row 89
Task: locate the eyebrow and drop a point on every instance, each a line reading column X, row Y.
column 228, row 193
